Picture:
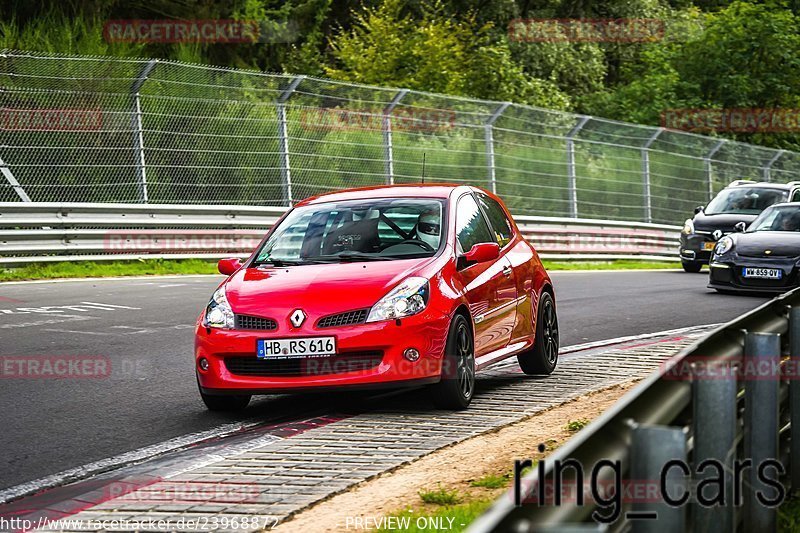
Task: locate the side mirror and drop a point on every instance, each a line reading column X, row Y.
column 699, row 209
column 739, row 227
column 229, row 266
column 482, row 252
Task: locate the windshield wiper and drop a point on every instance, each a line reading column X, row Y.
column 278, row 262
column 353, row 256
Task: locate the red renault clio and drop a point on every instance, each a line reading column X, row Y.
column 378, row 287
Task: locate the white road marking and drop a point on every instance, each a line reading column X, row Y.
column 83, row 307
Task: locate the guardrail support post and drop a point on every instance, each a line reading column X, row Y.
column 768, row 167
column 794, row 397
column 714, row 427
column 283, row 141
column 648, row 197
column 138, row 129
column 652, row 447
column 388, row 148
column 572, row 180
column 707, row 164
column 761, row 351
column 489, row 137
column 13, row 182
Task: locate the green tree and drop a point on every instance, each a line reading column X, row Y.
column 436, row 53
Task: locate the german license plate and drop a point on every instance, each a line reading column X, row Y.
column 709, row 245
column 763, row 273
column 296, row 347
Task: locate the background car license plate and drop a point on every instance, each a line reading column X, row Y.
column 296, row 347
column 765, row 273
column 709, row 245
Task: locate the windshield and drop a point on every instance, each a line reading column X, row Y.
column 744, row 200
column 783, row 218
column 359, row 230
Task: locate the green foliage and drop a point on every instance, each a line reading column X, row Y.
column 91, row 269
column 576, row 425
column 491, row 481
column 440, row 496
column 437, row 54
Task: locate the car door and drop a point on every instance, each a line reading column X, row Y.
column 490, row 288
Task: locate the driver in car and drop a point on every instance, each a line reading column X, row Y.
column 428, row 228
column 790, row 222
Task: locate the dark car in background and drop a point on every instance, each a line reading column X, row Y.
column 741, row 201
column 762, row 258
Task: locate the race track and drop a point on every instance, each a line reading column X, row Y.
column 144, row 329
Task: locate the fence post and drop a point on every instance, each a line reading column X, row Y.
column 138, row 129
column 766, row 171
column 388, row 148
column 652, row 447
column 714, row 427
column 283, row 140
column 794, row 396
column 648, row 197
column 13, row 182
column 760, row 425
column 489, row 137
column 572, row 180
column 707, row 163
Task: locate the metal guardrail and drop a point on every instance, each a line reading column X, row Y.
column 109, row 129
column 732, row 396
column 41, row 232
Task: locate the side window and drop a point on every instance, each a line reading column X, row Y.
column 795, row 196
column 497, row 217
column 471, row 227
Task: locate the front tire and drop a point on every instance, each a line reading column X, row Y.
column 692, row 266
column 226, row 403
column 457, row 387
column 542, row 357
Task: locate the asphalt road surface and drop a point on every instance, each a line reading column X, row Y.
column 144, row 329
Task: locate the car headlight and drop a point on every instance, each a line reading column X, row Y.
column 218, row 311
column 724, row 245
column 408, row 298
column 688, row 227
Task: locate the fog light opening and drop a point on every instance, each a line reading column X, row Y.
column 203, row 364
column 412, row 354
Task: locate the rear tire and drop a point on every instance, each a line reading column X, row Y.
column 226, row 403
column 457, row 387
column 692, row 266
column 542, row 357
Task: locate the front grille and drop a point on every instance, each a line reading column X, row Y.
column 343, row 319
column 254, row 323
column 337, row 364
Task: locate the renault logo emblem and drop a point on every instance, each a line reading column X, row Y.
column 297, row 318
column 717, row 234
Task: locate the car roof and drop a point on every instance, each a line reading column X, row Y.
column 416, row 190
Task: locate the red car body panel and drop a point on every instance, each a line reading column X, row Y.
column 500, row 297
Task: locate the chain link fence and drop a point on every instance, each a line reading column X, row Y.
column 102, row 129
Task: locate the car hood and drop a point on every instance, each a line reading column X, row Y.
column 722, row 221
column 780, row 244
column 317, row 289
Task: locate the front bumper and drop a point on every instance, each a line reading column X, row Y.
column 727, row 275
column 693, row 247
column 369, row 356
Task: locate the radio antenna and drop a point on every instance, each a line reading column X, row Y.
column 423, row 167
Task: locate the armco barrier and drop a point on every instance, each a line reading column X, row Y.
column 732, row 397
column 40, row 232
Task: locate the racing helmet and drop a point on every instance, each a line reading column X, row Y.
column 429, row 228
